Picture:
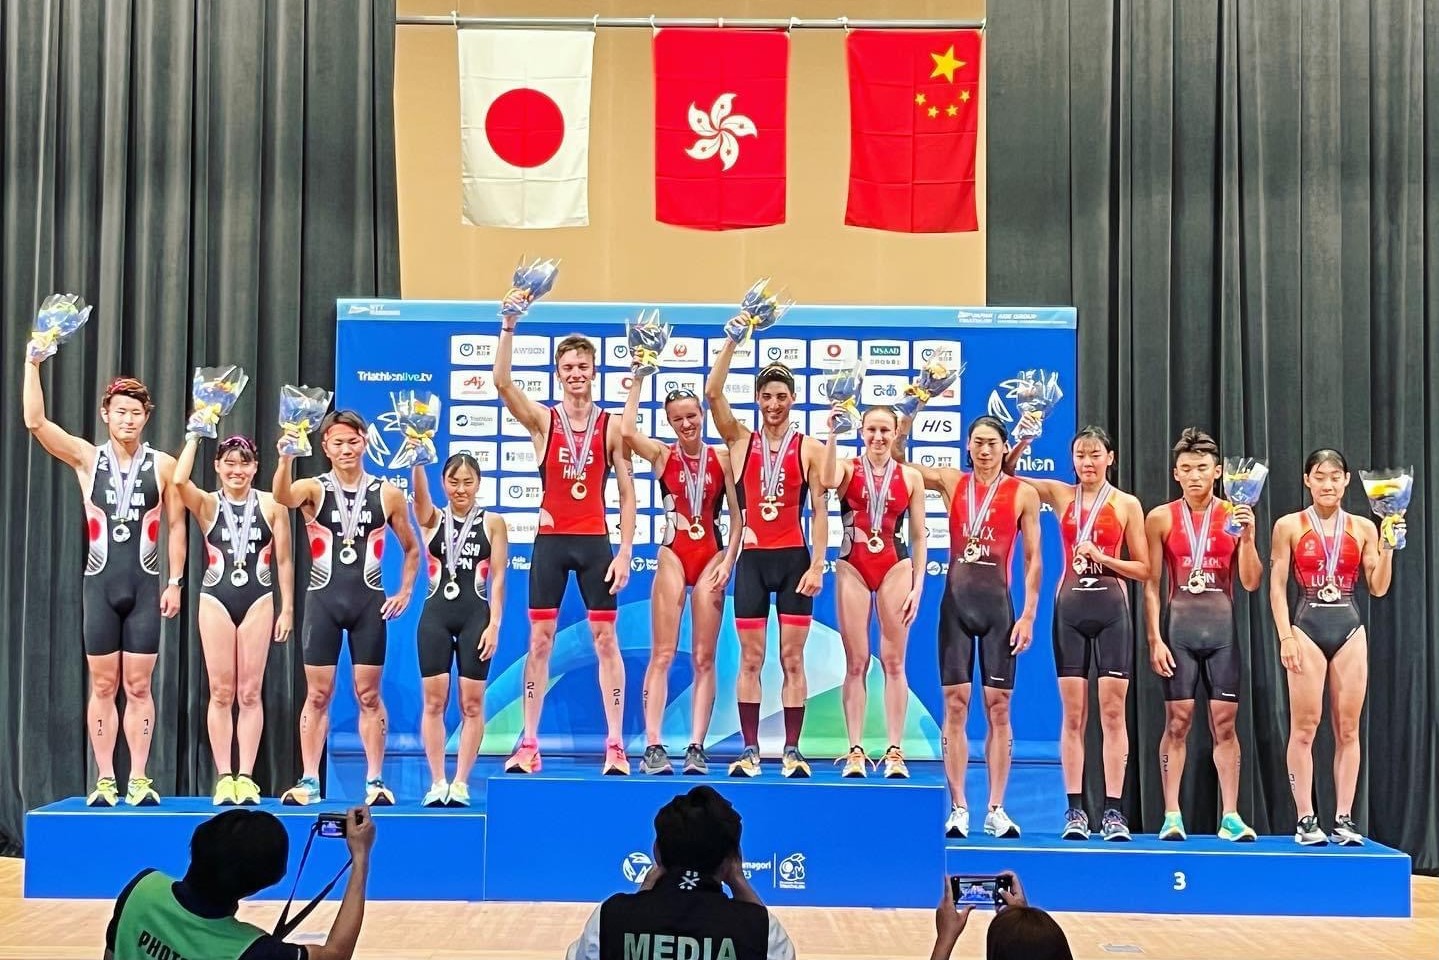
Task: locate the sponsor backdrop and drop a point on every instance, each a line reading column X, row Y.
column 448, row 348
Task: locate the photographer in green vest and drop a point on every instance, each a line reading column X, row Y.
column 232, row 856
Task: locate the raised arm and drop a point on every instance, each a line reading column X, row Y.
column 1251, row 568
column 397, row 515
column 427, row 515
column 1378, row 559
column 619, row 572
column 724, row 420
column 1280, row 547
column 647, row 447
column 1156, row 528
column 813, row 579
column 177, row 535
column 1056, row 493
column 283, row 553
column 1023, row 634
column 836, row 471
column 918, row 542
column 63, row 446
column 197, row 501
column 521, row 406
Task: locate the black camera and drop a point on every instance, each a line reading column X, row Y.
column 330, row 825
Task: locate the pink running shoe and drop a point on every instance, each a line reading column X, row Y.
column 616, row 763
column 526, row 759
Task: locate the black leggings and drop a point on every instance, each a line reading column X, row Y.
column 1200, row 631
column 1093, row 623
column 449, row 632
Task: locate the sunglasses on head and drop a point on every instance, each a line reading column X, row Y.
column 682, row 393
column 236, row 442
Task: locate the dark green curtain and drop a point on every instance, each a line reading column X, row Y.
column 1242, row 199
column 211, row 174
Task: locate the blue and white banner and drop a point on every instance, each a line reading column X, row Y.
column 449, row 347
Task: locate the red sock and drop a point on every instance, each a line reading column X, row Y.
column 793, row 721
column 749, row 723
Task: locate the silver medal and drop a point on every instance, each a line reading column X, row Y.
column 1198, row 544
column 238, row 577
column 1197, row 582
column 238, row 530
column 348, row 554
column 454, row 544
column 452, row 590
column 349, row 511
column 122, row 482
column 120, row 533
column 1329, row 591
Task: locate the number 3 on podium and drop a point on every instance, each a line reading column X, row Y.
column 1181, row 882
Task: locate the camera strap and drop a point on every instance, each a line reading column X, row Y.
column 286, row 925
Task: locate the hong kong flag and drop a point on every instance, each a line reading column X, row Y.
column 720, row 127
column 914, row 122
column 525, row 126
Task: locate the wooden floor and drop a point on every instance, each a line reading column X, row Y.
column 56, row 929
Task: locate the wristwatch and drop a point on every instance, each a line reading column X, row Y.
column 176, row 581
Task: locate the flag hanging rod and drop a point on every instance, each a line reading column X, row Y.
column 654, row 23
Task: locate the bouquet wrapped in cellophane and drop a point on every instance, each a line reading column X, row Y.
column 1389, row 492
column 760, row 309
column 933, row 379
column 59, row 317
column 418, row 416
column 843, row 388
column 301, row 409
column 531, row 281
column 1243, row 483
column 647, row 337
column 214, row 391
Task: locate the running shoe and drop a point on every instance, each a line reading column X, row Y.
column 437, row 796
column 697, row 762
column 377, row 794
column 305, row 791
column 247, row 791
column 105, row 794
column 225, row 795
column 1345, row 833
column 894, row 766
column 141, row 792
column 656, row 761
column 793, row 764
column 1076, row 825
column 1114, row 827
column 616, row 763
column 748, row 764
column 1173, row 828
column 459, row 795
column 526, row 758
column 1233, row 828
column 1307, row 832
column 956, row 825
column 998, row 824
column 854, row 762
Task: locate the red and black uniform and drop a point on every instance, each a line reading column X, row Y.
column 977, row 607
column 120, row 609
column 346, row 598
column 693, row 553
column 255, row 579
column 1199, row 627
column 855, row 514
column 1329, row 623
column 1091, row 608
column 452, row 621
column 573, row 534
column 775, row 554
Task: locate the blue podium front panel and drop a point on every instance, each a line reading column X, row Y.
column 1202, row 875
column 569, row 834
column 79, row 852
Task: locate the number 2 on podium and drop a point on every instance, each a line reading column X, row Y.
column 1181, row 882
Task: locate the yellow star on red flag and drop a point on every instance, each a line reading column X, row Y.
column 945, row 64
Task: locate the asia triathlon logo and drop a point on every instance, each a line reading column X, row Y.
column 791, row 872
column 636, row 866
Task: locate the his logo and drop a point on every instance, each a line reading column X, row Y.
column 636, row 866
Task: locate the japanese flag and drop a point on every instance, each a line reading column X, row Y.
column 525, row 127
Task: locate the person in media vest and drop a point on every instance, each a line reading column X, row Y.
column 233, row 855
column 681, row 909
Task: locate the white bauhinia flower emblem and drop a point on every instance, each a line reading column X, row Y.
column 719, row 131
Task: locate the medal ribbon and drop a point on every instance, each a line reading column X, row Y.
column 1331, row 552
column 238, row 528
column 769, row 463
column 974, row 522
column 1083, row 524
column 579, row 448
column 349, row 509
column 1198, row 541
column 694, row 483
column 123, row 481
column 452, row 542
column 876, row 489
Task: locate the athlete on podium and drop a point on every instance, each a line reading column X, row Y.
column 576, row 445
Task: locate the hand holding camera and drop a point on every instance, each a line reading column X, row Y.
column 357, row 828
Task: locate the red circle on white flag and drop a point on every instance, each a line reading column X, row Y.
column 525, row 127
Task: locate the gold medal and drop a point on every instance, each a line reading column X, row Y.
column 578, row 489
column 972, row 550
column 697, row 529
column 875, row 542
column 1197, row 583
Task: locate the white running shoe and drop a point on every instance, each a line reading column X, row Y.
column 1307, row 832
column 438, row 795
column 957, row 825
column 998, row 824
column 1345, row 833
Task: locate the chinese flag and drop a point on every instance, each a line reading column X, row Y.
column 914, row 121
column 720, row 127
